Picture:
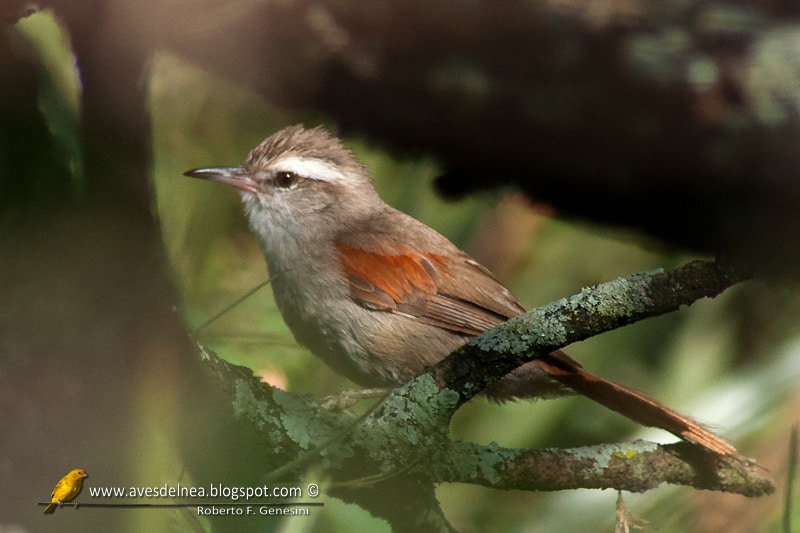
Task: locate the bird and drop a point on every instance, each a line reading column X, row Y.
column 378, row 295
column 66, row 489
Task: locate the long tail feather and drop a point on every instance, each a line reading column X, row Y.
column 632, row 404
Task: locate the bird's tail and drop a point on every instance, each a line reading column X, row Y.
column 631, row 403
column 50, row 508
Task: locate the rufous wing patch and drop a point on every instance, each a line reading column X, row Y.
column 411, row 284
column 398, row 276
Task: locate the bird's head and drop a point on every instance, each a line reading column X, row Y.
column 299, row 185
column 78, row 473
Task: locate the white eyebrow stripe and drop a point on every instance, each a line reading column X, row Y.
column 309, row 167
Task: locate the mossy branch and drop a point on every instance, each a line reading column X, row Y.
column 409, row 433
column 404, row 440
column 594, row 310
column 634, row 466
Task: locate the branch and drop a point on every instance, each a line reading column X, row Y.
column 403, row 443
column 594, row 310
column 408, row 433
column 635, row 466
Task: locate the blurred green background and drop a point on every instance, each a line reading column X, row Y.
column 731, row 362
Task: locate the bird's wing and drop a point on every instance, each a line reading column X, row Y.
column 454, row 293
column 59, row 490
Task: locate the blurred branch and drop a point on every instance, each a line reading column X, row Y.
column 613, row 112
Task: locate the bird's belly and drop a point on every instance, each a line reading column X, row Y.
column 372, row 348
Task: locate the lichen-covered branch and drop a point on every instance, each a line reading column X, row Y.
column 403, row 444
column 635, row 466
column 408, row 434
column 594, row 310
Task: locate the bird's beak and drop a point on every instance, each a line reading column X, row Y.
column 235, row 176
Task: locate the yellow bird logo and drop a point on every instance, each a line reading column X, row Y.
column 66, row 489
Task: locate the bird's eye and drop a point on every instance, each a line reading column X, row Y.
column 285, row 179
